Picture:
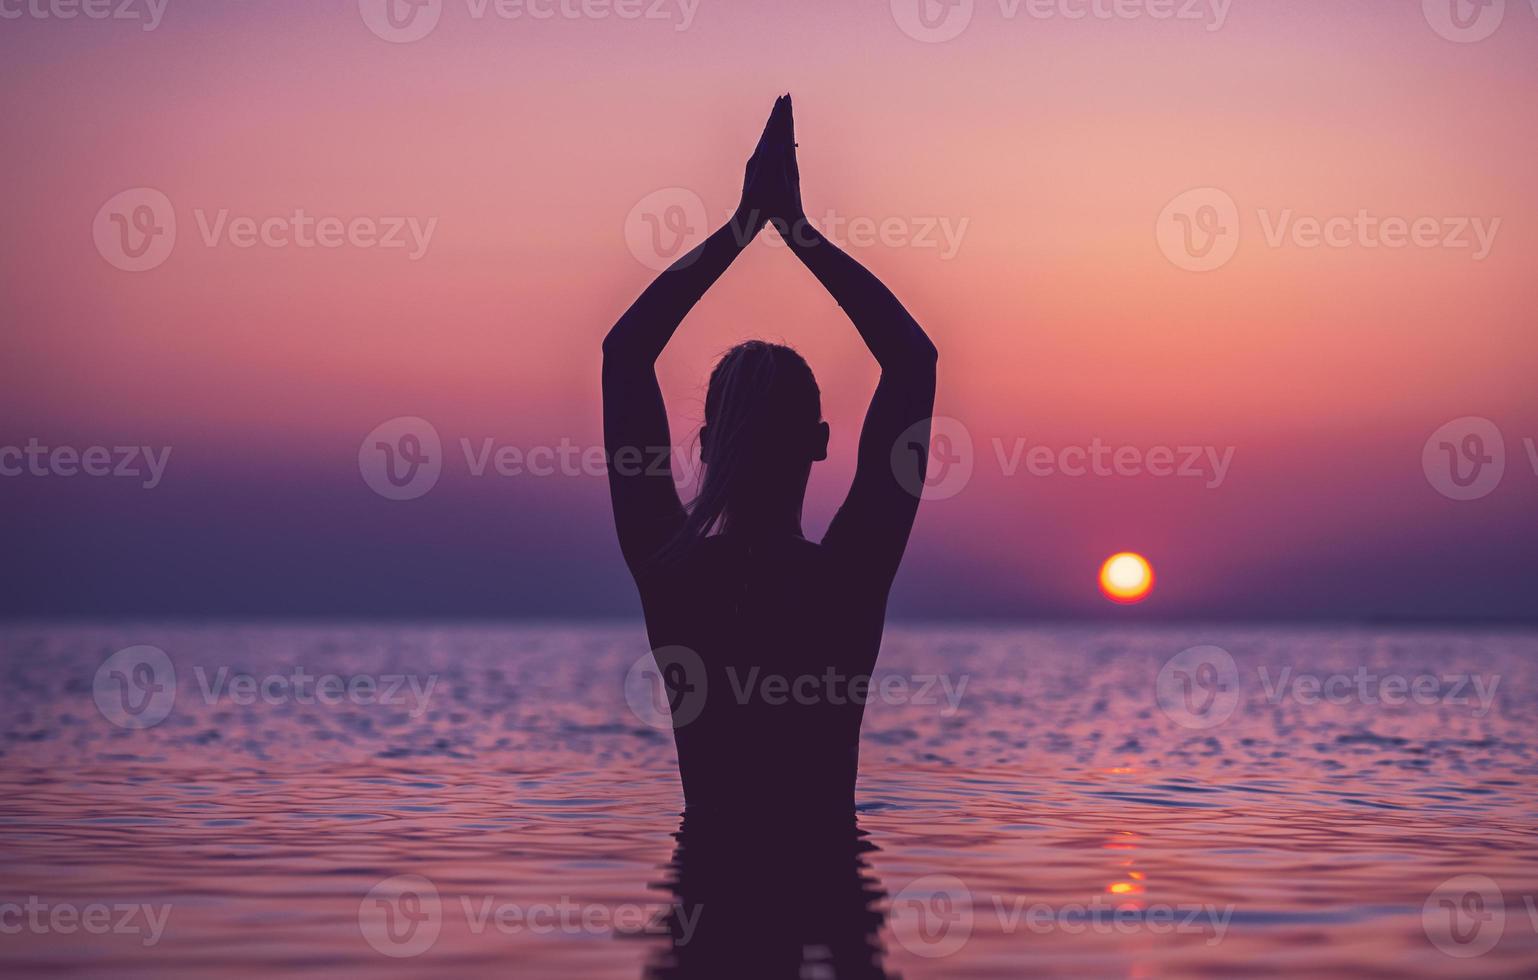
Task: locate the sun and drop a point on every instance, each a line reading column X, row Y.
column 1126, row 577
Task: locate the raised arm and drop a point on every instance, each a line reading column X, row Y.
column 876, row 518
column 647, row 511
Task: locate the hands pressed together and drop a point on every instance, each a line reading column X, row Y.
column 771, row 193
column 771, row 189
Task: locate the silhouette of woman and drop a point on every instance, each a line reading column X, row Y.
column 765, row 640
column 779, row 634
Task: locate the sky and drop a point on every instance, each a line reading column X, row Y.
column 1269, row 262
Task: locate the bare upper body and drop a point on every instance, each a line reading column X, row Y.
column 782, row 632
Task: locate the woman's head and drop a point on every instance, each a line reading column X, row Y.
column 763, row 430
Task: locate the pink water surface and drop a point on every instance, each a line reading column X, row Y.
column 1292, row 838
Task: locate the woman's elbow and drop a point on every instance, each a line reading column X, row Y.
column 612, row 344
column 916, row 362
column 923, row 352
column 620, row 350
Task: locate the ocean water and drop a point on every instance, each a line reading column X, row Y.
column 480, row 800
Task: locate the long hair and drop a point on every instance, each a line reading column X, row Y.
column 761, row 407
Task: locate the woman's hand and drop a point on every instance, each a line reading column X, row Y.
column 771, row 188
column 785, row 189
column 752, row 208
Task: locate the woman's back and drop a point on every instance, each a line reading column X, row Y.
column 786, row 633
